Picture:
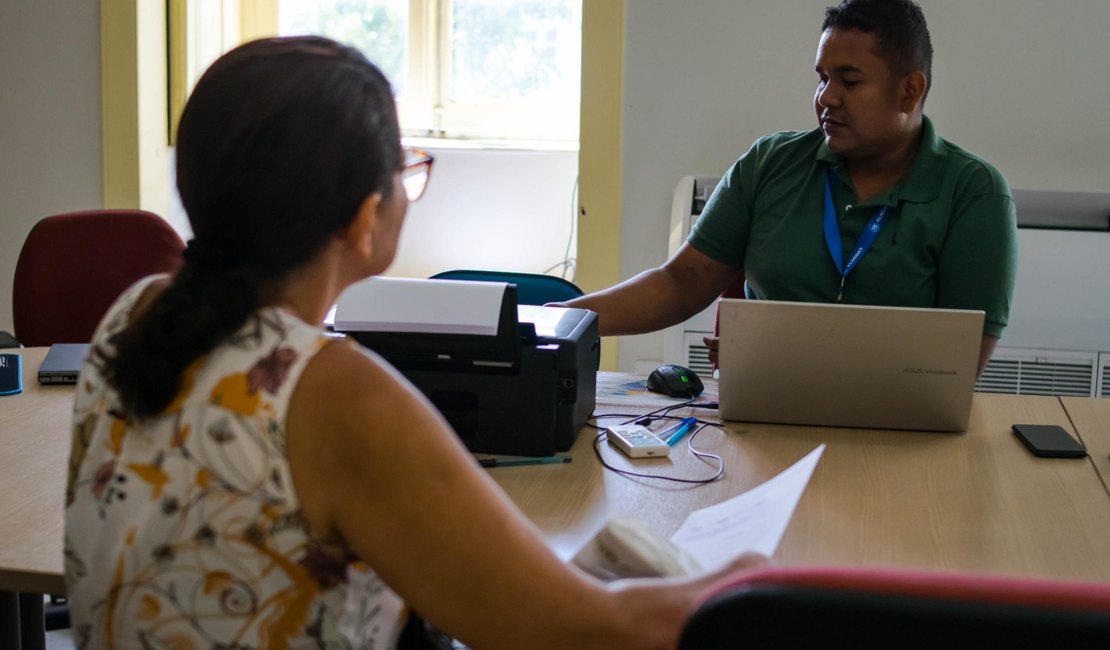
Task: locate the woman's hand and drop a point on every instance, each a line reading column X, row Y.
column 657, row 608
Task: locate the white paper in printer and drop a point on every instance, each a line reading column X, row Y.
column 420, row 306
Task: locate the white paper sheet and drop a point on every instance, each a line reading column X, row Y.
column 425, row 306
column 752, row 521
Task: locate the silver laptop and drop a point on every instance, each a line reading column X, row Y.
column 848, row 365
column 62, row 363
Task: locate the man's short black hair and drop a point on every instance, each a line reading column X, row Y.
column 899, row 28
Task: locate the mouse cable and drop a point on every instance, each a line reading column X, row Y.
column 691, row 403
column 661, row 413
column 639, row 418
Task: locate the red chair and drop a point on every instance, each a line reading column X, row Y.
column 855, row 607
column 73, row 266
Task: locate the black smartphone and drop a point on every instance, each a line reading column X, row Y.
column 11, row 374
column 1049, row 441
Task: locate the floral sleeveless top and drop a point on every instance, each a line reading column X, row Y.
column 184, row 531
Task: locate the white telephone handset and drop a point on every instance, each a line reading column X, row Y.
column 626, row 548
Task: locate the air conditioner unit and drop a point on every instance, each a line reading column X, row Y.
column 1058, row 339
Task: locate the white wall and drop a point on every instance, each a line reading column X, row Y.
column 506, row 210
column 50, row 146
column 1021, row 82
column 491, row 209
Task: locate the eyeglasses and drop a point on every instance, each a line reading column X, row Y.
column 414, row 174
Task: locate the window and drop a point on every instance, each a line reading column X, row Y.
column 487, row 69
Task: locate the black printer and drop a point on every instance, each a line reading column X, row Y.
column 525, row 391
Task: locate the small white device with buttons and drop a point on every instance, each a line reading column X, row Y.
column 637, row 441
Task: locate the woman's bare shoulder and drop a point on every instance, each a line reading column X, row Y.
column 149, row 294
column 347, row 382
column 355, row 425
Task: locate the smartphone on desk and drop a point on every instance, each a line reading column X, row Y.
column 1049, row 441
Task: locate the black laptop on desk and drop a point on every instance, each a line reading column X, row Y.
column 63, row 363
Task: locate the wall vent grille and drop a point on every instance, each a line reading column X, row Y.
column 1031, row 374
column 697, row 355
column 1023, row 372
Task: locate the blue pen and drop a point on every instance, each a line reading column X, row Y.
column 681, row 429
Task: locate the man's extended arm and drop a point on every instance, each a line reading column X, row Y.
column 659, row 297
column 986, row 349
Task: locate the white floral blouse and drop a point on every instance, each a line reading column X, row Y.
column 184, row 531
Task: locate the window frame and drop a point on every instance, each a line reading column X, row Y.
column 425, row 109
column 238, row 21
column 427, row 112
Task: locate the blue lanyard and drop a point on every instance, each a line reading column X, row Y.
column 832, row 236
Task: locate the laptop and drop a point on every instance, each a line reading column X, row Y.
column 848, row 365
column 62, row 363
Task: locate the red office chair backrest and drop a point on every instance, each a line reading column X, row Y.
column 73, row 266
column 856, row 607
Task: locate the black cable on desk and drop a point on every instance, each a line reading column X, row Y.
column 659, row 414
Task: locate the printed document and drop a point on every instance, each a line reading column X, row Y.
column 752, row 521
column 709, row 538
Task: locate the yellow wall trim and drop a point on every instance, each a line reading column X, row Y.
column 119, row 103
column 599, row 157
column 134, row 104
column 258, row 19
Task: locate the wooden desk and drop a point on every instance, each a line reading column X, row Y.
column 976, row 501
column 34, row 453
column 1091, row 418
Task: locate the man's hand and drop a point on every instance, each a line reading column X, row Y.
column 712, row 342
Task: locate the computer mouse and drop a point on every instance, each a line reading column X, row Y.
column 675, row 381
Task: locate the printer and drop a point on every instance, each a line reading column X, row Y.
column 510, row 379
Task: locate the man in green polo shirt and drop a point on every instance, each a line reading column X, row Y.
column 872, row 207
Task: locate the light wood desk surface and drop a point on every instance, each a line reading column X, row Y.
column 1091, row 418
column 974, row 501
column 977, row 501
column 34, row 452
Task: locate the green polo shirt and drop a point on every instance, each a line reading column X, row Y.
column 950, row 240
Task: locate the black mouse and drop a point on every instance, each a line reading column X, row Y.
column 675, row 381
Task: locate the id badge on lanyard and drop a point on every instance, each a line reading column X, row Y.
column 832, row 236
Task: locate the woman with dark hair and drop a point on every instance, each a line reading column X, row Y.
column 237, row 478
